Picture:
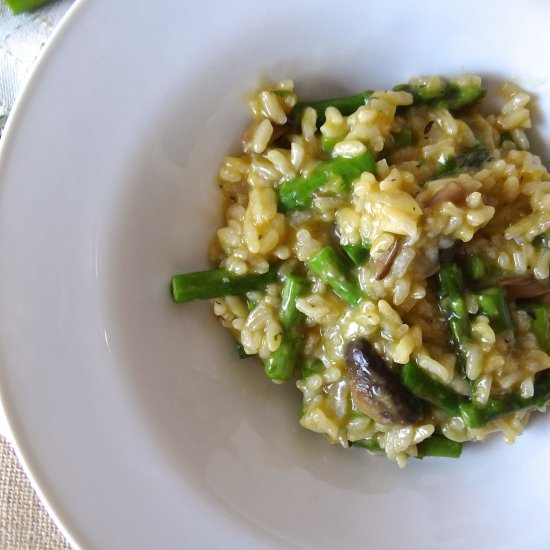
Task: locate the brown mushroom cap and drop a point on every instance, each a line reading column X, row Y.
column 376, row 391
column 524, row 286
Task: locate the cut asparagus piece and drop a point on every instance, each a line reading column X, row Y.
column 450, row 96
column 540, row 323
column 404, row 137
column 454, row 308
column 428, row 389
column 279, row 366
column 453, row 166
column 297, row 193
column 294, row 287
column 203, row 285
column 346, row 105
column 492, row 303
column 497, row 407
column 358, row 253
column 439, row 445
column 369, row 443
column 474, row 268
column 330, row 268
column 19, row 6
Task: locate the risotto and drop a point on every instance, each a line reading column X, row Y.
column 389, row 251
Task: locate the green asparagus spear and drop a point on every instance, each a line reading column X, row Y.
column 459, row 97
column 453, row 166
column 436, row 445
column 425, row 387
column 279, row 366
column 346, row 105
column 328, row 143
column 240, row 351
column 497, row 407
column 540, row 324
column 333, row 271
column 449, row 96
column 202, row 285
column 455, row 310
column 19, row 6
column 404, row 137
column 474, row 268
column 369, row 443
column 450, row 279
column 359, row 253
column 297, row 193
column 492, row 303
column 439, row 445
column 312, row 366
column 423, row 95
column 251, row 304
column 453, row 306
column 294, row 287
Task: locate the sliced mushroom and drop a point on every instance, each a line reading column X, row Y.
column 383, row 263
column 524, row 286
column 452, row 192
column 376, row 391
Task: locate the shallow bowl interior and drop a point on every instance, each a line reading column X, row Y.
column 114, row 394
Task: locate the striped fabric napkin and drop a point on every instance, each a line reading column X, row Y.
column 22, row 37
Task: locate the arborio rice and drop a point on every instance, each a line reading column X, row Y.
column 390, row 250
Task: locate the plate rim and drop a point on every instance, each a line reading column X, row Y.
column 10, row 129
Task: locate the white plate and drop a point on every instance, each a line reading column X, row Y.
column 132, row 415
